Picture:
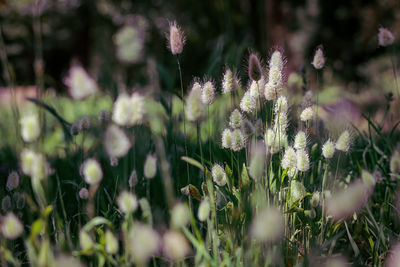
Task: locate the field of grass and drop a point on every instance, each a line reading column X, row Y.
column 235, row 172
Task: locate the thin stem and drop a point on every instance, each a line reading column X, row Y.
column 184, row 118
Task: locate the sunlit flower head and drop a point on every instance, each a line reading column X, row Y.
column 385, row 37
column 80, row 84
column 150, row 166
column 116, row 142
column 176, row 38
column 127, row 202
column 91, row 171
column 11, row 227
column 219, row 175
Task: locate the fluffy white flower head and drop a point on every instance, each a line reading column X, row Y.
column 80, row 84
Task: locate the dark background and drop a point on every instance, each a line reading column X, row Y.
column 218, row 32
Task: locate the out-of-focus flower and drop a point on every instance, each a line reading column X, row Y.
column 142, row 242
column 175, row 245
column 267, row 226
column 180, row 216
column 195, row 109
column 12, row 181
column 11, row 227
column 30, row 127
column 127, row 202
column 319, row 59
column 111, row 242
column 80, row 84
column 204, row 210
column 385, row 37
column 92, row 172
column 150, row 166
column 116, row 142
column 343, row 142
column 129, row 41
column 128, row 110
column 85, row 241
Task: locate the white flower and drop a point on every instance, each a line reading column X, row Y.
column 116, row 142
column 319, row 59
column 111, row 243
column 11, row 227
column 92, row 172
column 150, row 166
column 227, row 138
column 176, row 39
column 175, row 245
column 85, row 241
column 303, row 161
column 289, row 159
column 300, row 141
column 180, row 216
column 328, row 149
column 236, row 119
column 307, row 114
column 343, row 142
column 142, row 242
column 238, row 140
column 30, row 127
column 80, row 84
column 204, row 210
column 128, row 110
column 127, row 202
column 268, row 225
column 208, row 93
column 248, row 103
column 195, row 109
column 219, row 175
column 27, row 160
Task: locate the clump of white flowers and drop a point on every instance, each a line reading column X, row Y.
column 208, row 93
column 267, row 226
column 127, row 202
column 343, row 142
column 80, row 84
column 30, row 127
column 328, row 149
column 300, row 141
column 274, row 86
column 385, row 37
column 150, row 166
column 319, row 59
column 116, row 142
column 92, row 172
column 195, row 109
column 128, row 110
column 307, row 114
column 219, row 175
column 11, row 227
column 176, row 38
column 236, row 119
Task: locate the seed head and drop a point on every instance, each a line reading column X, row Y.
column 227, row 138
column 257, row 162
column 179, row 216
column 236, row 119
column 319, row 59
column 128, row 110
column 85, row 241
column 92, row 172
column 6, row 204
column 142, row 242
column 195, row 109
column 27, row 160
column 127, row 202
column 307, row 114
column 303, row 161
column 116, row 142
column 238, row 140
column 276, row 60
column 248, row 103
column 368, row 179
column 300, row 141
column 111, row 242
column 219, row 175
column 175, row 245
column 343, row 142
column 103, row 115
column 279, row 142
column 40, row 167
column 150, row 166
column 176, row 38
column 289, row 159
column 208, row 93
column 74, row 129
column 79, row 83
column 255, row 70
column 328, row 149
column 11, row 227
column 297, row 191
column 30, row 127
column 230, row 82
column 133, row 179
column 385, row 37
column 204, row 210
column 314, row 202
column 267, row 226
column 269, row 137
column 84, row 123
column 12, row 181
column 83, row 193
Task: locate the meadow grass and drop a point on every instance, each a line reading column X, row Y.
column 228, row 175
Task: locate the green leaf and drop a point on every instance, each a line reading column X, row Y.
column 193, row 162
